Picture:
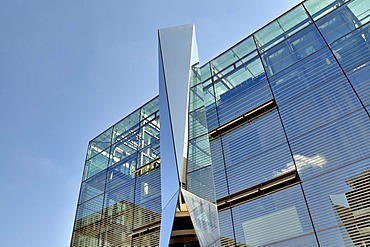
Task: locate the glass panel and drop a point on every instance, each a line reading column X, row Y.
column 218, row 164
column 337, row 24
column 209, row 96
column 148, row 154
column 96, row 164
column 249, row 73
column 281, row 28
column 292, row 49
column 353, row 50
column 87, row 224
column 147, row 199
column 315, row 70
column 149, row 132
column 92, row 187
column 125, row 147
column 126, row 126
column 232, row 55
column 339, row 203
column 360, row 79
column 149, row 108
column 204, row 216
column 360, row 9
column 333, row 145
column 89, row 214
column 244, row 101
column 318, row 107
column 226, row 228
column 357, row 11
column 201, row 183
column 259, row 168
column 196, row 97
column 319, row 8
column 255, row 152
column 117, row 224
column 122, row 175
column 99, row 143
column 149, row 239
column 205, row 71
column 279, row 219
column 198, row 153
column 253, row 138
column 197, row 123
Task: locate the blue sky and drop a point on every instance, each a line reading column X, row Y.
column 70, row 69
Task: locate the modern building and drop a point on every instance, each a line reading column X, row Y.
column 268, row 144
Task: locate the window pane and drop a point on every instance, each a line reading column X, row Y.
column 233, row 54
column 99, row 143
column 126, row 126
column 96, row 164
column 339, row 203
column 285, row 26
column 279, row 219
column 332, row 146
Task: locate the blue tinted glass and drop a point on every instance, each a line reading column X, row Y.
column 315, row 70
column 96, row 164
column 126, row 126
column 201, row 183
column 360, row 79
column 99, row 143
column 236, row 102
column 122, row 174
column 149, row 108
column 92, row 187
column 338, row 201
column 232, row 55
column 285, row 26
column 221, row 188
column 352, row 50
column 333, row 145
column 292, row 49
column 279, row 219
column 318, row 106
column 226, row 228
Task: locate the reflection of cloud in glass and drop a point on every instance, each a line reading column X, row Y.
column 302, row 162
column 339, row 200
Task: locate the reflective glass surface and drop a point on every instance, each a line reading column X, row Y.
column 296, row 174
column 319, row 129
column 199, row 177
column 167, row 218
column 204, row 217
column 121, row 189
column 99, row 143
column 279, row 219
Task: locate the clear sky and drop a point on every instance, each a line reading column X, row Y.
column 69, row 69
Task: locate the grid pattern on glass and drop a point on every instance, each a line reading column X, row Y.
column 222, row 63
column 115, row 199
column 340, row 207
column 199, row 157
column 99, row 143
column 322, row 111
column 96, row 164
column 281, row 28
column 344, row 19
column 279, row 219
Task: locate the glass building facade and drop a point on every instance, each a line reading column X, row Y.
column 278, row 147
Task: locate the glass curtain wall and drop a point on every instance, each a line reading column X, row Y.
column 301, row 167
column 120, row 190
